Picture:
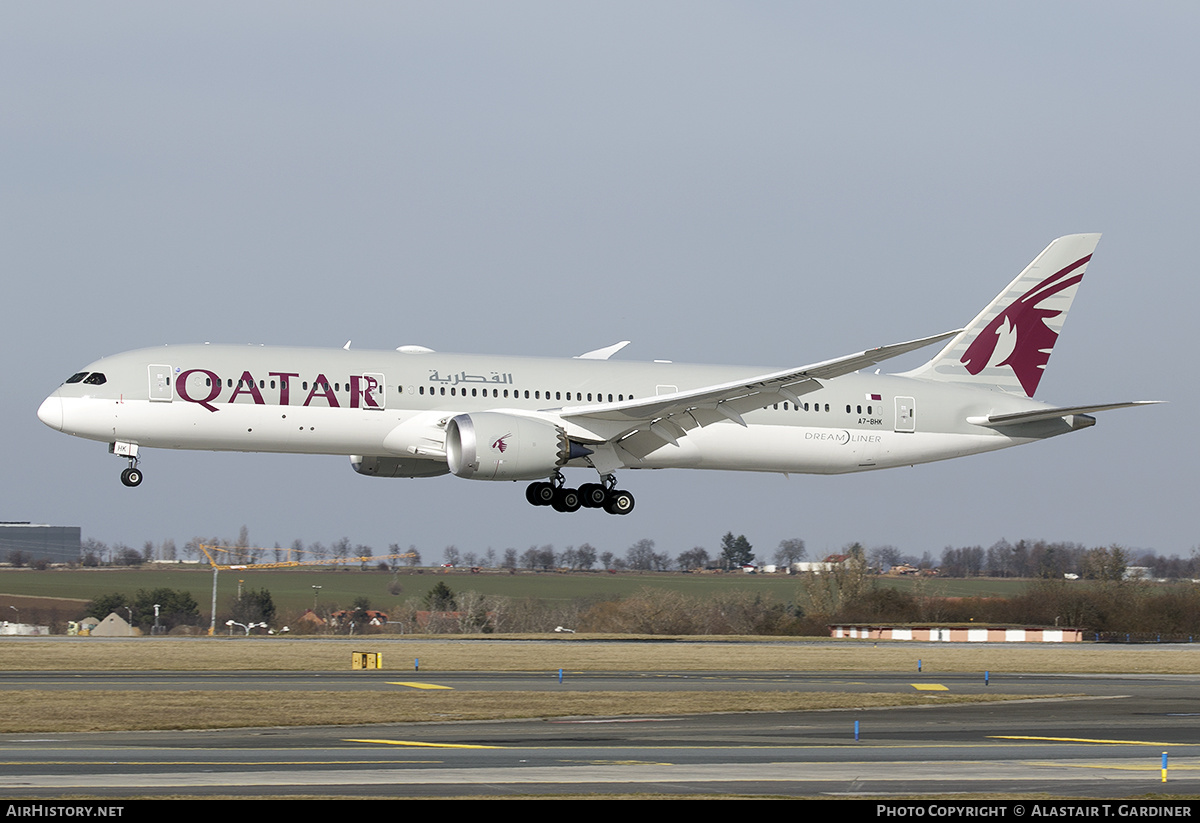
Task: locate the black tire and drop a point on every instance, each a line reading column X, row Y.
column 594, row 495
column 540, row 494
column 619, row 502
column 566, row 500
column 131, row 477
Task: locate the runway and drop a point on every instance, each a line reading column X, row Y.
column 1105, row 742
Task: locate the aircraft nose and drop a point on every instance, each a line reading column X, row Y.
column 51, row 412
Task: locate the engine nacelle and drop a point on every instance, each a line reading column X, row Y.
column 496, row 446
column 373, row 466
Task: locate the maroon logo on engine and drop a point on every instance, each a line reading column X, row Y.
column 500, row 444
column 1025, row 320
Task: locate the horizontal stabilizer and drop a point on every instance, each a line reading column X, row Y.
column 1037, row 415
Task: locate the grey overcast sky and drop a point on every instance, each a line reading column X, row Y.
column 767, row 183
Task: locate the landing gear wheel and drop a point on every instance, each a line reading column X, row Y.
column 131, row 477
column 540, row 493
column 566, row 500
column 593, row 495
column 619, row 502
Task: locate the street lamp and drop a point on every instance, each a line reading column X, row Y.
column 246, row 626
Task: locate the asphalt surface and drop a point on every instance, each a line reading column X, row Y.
column 1106, row 743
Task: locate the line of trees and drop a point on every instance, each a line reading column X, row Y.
column 1024, row 558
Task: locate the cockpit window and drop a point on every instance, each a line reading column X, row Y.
column 96, row 379
column 75, row 378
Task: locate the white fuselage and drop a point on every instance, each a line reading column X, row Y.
column 397, row 404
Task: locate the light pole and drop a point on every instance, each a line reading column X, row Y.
column 246, row 626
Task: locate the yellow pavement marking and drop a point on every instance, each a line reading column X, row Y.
column 929, row 687
column 419, row 744
column 1084, row 740
column 422, row 686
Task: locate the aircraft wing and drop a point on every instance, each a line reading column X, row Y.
column 644, row 425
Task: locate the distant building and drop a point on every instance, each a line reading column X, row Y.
column 957, row 633
column 374, row 617
column 115, row 626
column 310, row 621
column 31, row 542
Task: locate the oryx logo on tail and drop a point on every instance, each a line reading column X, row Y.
column 1008, row 344
column 1024, row 330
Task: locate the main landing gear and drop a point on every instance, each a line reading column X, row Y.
column 604, row 495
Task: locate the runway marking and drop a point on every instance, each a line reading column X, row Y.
column 1085, row 740
column 419, row 744
column 211, row 762
column 620, row 762
column 622, row 720
column 422, row 686
column 1120, row 767
column 929, row 687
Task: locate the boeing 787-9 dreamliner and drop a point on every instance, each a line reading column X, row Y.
column 414, row 412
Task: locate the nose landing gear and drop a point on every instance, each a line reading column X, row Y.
column 132, row 476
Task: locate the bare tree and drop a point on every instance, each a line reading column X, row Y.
column 790, row 551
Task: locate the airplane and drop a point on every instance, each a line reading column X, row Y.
column 414, row 412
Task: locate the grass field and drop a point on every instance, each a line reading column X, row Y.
column 58, row 711
column 292, row 590
column 584, row 653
